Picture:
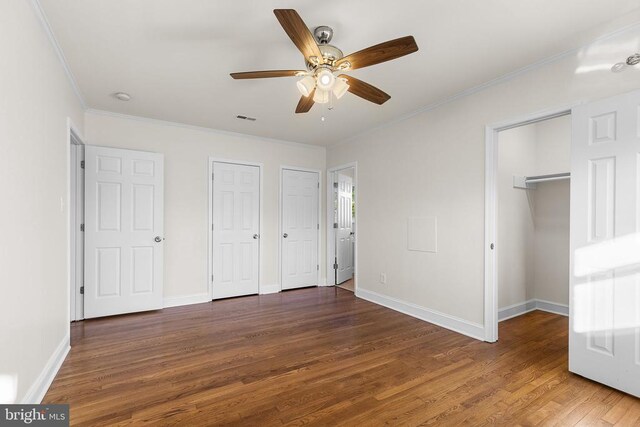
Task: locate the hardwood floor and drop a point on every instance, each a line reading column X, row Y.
column 349, row 285
column 321, row 356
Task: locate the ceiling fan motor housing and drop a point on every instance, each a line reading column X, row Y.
column 323, row 34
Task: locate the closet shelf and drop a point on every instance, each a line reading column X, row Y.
column 529, row 182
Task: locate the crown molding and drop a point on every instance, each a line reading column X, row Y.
column 493, row 82
column 201, row 129
column 58, row 50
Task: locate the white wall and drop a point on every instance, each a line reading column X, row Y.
column 533, row 225
column 36, row 100
column 432, row 163
column 551, row 212
column 186, row 152
column 551, row 244
column 515, row 216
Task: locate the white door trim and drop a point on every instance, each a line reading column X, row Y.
column 280, row 210
column 331, row 235
column 490, row 210
column 260, row 167
column 74, row 139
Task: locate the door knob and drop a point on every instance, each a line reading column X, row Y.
column 158, row 239
column 285, row 235
column 255, row 236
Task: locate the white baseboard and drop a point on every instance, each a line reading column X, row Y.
column 470, row 329
column 186, row 300
column 269, row 289
column 39, row 388
column 516, row 310
column 552, row 307
column 519, row 309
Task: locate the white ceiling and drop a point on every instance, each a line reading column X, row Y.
column 174, row 56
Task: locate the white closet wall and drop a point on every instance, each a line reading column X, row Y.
column 516, row 156
column 533, row 225
column 551, row 212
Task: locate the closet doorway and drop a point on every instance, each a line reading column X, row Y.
column 533, row 218
column 528, row 219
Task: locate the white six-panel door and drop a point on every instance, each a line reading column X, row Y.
column 123, row 231
column 604, row 337
column 300, row 228
column 344, row 232
column 236, row 229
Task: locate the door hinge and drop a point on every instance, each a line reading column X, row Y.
column 81, row 227
column 335, row 185
column 318, row 185
column 318, row 226
column 82, row 164
column 335, row 225
column 318, row 267
column 82, row 290
column 335, row 266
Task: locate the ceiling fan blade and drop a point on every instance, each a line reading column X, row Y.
column 299, row 33
column 266, row 74
column 365, row 90
column 305, row 103
column 380, row 53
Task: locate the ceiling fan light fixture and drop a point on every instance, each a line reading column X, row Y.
column 325, row 79
column 321, row 96
column 340, row 87
column 306, row 85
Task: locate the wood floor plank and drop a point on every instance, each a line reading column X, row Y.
column 321, row 356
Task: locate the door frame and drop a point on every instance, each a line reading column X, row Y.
column 491, row 209
column 331, row 235
column 280, row 219
column 260, row 167
column 75, row 246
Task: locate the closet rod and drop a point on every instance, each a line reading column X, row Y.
column 529, row 182
column 545, row 178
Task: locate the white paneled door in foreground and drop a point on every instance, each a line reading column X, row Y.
column 236, row 229
column 604, row 342
column 123, row 231
column 300, row 228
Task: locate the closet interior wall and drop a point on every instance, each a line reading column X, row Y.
column 533, row 225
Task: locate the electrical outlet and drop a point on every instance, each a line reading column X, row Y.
column 383, row 278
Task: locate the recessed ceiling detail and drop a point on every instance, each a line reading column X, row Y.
column 122, row 96
column 631, row 61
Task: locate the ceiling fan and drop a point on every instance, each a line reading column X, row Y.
column 323, row 79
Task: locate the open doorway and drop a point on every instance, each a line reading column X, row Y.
column 531, row 199
column 341, row 241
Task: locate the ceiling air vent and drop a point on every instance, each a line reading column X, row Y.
column 251, row 119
